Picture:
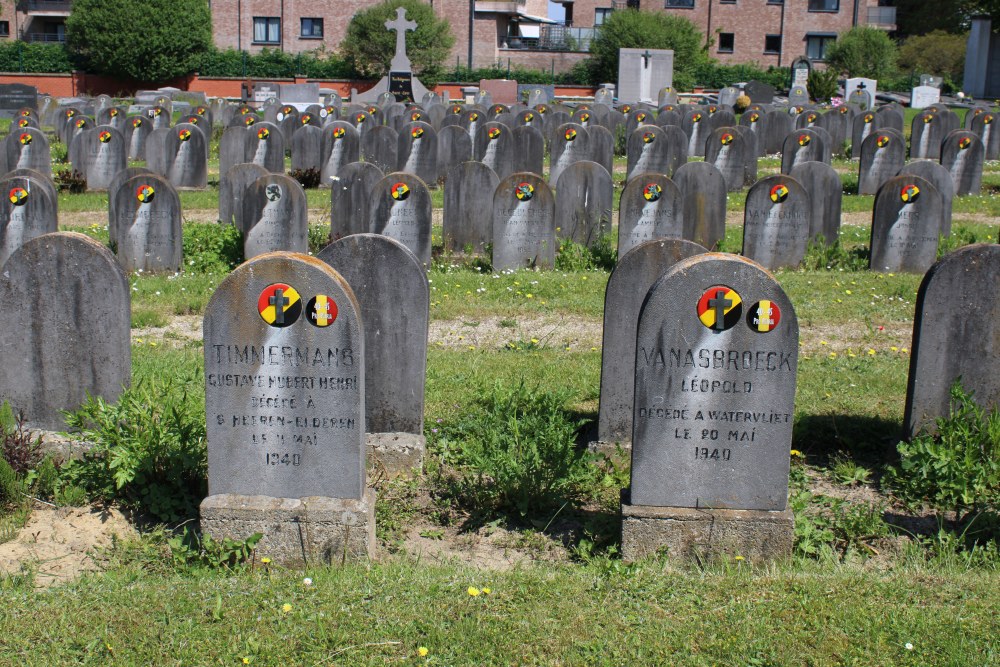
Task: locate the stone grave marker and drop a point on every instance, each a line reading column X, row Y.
column 861, row 92
column 721, row 117
column 379, row 146
column 504, row 91
column 940, row 178
column 891, row 115
column 148, row 226
column 808, row 118
column 666, row 95
column 750, row 152
column 727, row 150
column 340, row 146
column 703, row 189
column 826, row 191
column 524, row 230
column 776, row 225
column 102, row 154
column 668, row 117
column 77, row 274
column 232, row 191
column 417, row 152
column 837, row 122
column 530, row 152
column 798, row 96
column 393, row 294
column 15, row 96
column 494, row 145
column 962, row 154
column 906, row 224
column 760, row 92
column 571, row 143
column 648, row 151
column 536, row 93
column 465, row 226
column 113, row 187
column 635, row 273
column 400, row 208
column 777, row 126
column 584, row 200
column 983, row 126
column 715, row 365
column 882, row 156
column 926, row 136
column 287, row 459
column 28, row 148
column 136, row 132
column 650, row 208
column 307, row 149
column 602, row 147
column 697, row 126
column 264, row 145
column 728, row 96
column 274, row 216
column 949, row 344
column 454, row 148
column 802, row 146
column 862, row 126
column 755, row 121
column 922, row 97
column 159, row 116
column 186, row 151
column 28, row 211
column 350, row 199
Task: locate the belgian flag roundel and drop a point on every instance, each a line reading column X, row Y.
column 321, row 311
column 279, row 305
column 720, row 308
column 764, row 316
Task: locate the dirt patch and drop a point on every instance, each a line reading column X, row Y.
column 180, row 331
column 60, row 544
column 560, row 331
column 485, row 549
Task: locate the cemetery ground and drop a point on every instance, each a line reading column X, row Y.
column 505, row 550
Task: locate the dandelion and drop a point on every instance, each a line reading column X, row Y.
column 307, row 582
column 285, row 608
column 848, row 292
column 822, row 342
column 265, row 560
column 246, row 661
column 739, row 558
column 529, row 295
column 795, row 453
column 534, row 341
column 894, row 348
column 472, row 347
column 486, row 591
column 473, row 592
column 422, row 651
column 871, row 352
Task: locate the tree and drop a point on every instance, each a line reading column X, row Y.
column 635, row 29
column 150, row 41
column 863, row 51
column 937, row 53
column 369, row 46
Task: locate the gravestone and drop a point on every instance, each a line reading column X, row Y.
column 650, row 208
column 232, row 190
column 837, row 122
column 940, row 178
column 776, row 225
column 524, row 230
column 467, row 186
column 727, row 150
column 806, row 119
column 494, row 145
column 926, row 135
column 862, row 126
column 635, row 273
column 801, row 68
column 643, row 72
column 584, row 200
column 264, row 145
column 668, row 117
column 350, row 199
column 716, row 357
column 882, row 156
column 49, row 366
column 777, row 126
column 15, row 96
column 922, row 97
column 378, row 147
column 503, row 91
column 136, row 132
column 822, row 183
column 417, row 151
column 454, row 148
column 400, row 208
column 728, row 96
column 571, row 143
column 861, row 92
column 906, row 224
column 703, row 189
column 697, row 127
column 802, row 146
column 798, row 96
column 28, row 148
column 148, row 225
column 602, row 147
column 28, row 211
column 750, row 152
column 536, row 93
column 399, row 82
column 648, row 151
column 983, row 126
column 755, row 121
column 274, row 216
column 185, row 148
column 103, row 154
column 393, row 296
column 287, row 459
column 307, row 150
column 340, row 147
column 962, row 154
column 530, row 152
column 759, row 92
column 949, row 344
column 665, row 96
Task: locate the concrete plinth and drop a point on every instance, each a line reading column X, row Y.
column 705, row 534
column 296, row 532
column 398, row 454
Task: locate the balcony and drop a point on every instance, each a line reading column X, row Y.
column 555, row 38
column 883, row 18
column 46, row 7
column 501, row 6
column 44, row 37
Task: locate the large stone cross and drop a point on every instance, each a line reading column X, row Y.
column 400, row 63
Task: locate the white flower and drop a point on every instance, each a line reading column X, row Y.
column 307, row 582
column 908, row 646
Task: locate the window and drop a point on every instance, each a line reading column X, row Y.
column 817, row 44
column 772, row 43
column 4, row 28
column 266, row 30
column 601, row 15
column 824, row 5
column 727, row 2
column 726, row 42
column 679, row 4
column 312, row 29
column 775, row 2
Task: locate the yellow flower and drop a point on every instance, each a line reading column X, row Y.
column 739, row 558
column 422, row 651
column 246, row 661
column 847, row 291
column 822, row 342
column 286, row 608
column 486, row 591
column 265, row 560
column 535, row 341
column 473, row 591
column 894, row 348
column 795, row 452
column 871, row 351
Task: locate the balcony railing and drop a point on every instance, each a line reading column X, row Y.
column 882, row 17
column 500, row 6
column 54, row 6
column 556, row 38
column 44, row 37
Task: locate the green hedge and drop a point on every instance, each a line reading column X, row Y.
column 270, row 63
column 38, row 58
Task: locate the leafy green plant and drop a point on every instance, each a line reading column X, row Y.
column 822, row 84
column 863, row 51
column 189, row 550
column 211, row 248
column 577, row 257
column 518, row 448
column 71, row 181
column 848, row 472
column 957, row 466
column 149, row 449
column 19, row 448
column 821, row 256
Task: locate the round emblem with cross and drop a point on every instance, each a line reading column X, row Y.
column 720, row 308
column 25, row 138
column 779, row 193
column 524, row 191
column 400, row 191
column 570, row 134
column 726, row 139
column 145, row 193
column 18, row 196
column 494, row 132
column 882, row 141
column 263, row 134
column 652, row 192
column 339, row 132
column 804, row 139
column 417, row 132
column 648, row 137
column 279, row 305
column 104, row 137
column 909, row 193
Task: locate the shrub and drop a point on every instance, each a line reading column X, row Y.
column 863, row 51
column 20, row 450
column 70, row 180
column 937, row 53
column 822, row 84
column 38, row 57
column 716, row 75
column 210, row 247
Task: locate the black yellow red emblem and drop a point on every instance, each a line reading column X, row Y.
column 964, row 143
column 417, row 132
column 184, row 134
column 882, row 141
column 339, row 132
column 652, row 192
column 648, row 137
column 524, row 191
column 25, row 138
column 726, row 139
column 249, row 120
column 24, row 122
column 104, row 137
column 696, row 118
column 279, row 305
column 909, row 193
column 720, row 308
column 263, row 134
column 779, row 193
column 400, row 191
column 321, row 311
column 804, row 139
column 928, row 118
column 136, row 122
column 18, row 196
column 144, row 193
column 763, row 316
column 494, row 132
column 570, row 134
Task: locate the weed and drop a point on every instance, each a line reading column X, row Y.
column 307, row 178
column 211, row 247
column 192, row 551
column 20, row 450
column 848, row 472
column 319, row 238
column 821, row 256
column 576, row 257
column 71, row 181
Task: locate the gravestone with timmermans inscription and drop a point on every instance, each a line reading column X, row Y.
column 635, row 273
column 955, row 333
column 285, row 408
column 524, row 230
column 148, row 226
column 50, row 366
column 467, row 186
column 906, row 225
column 715, row 364
column 27, row 210
column 350, row 199
column 776, row 222
column 650, row 208
column 394, row 298
column 274, row 216
column 400, row 207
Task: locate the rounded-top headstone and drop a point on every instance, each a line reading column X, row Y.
column 776, row 222
column 400, row 208
column 906, row 225
column 523, row 223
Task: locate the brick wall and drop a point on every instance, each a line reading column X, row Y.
column 558, row 61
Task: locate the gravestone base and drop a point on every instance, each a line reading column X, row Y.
column 705, row 535
column 618, row 451
column 398, row 454
column 296, row 532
